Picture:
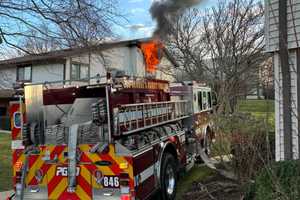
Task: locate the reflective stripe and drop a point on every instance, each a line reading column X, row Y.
column 144, row 175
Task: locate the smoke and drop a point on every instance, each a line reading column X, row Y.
column 166, row 12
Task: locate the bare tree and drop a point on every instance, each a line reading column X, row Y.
column 40, row 44
column 187, row 45
column 61, row 23
column 222, row 46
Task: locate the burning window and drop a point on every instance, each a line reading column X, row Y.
column 152, row 52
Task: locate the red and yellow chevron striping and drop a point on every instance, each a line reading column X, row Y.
column 86, row 181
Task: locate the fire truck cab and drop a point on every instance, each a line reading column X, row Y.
column 126, row 138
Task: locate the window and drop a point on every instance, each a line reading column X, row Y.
column 84, row 71
column 75, row 70
column 79, row 71
column 200, row 101
column 204, row 100
column 209, row 99
column 17, row 120
column 24, row 73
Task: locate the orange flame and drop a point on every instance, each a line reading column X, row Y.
column 152, row 54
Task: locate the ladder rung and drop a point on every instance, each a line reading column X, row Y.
column 137, row 116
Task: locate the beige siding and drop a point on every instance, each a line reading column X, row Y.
column 271, row 22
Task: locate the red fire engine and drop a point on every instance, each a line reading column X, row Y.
column 127, row 138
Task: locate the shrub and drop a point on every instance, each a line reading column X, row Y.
column 246, row 138
column 281, row 181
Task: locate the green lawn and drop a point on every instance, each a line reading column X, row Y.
column 195, row 174
column 5, row 162
column 261, row 109
column 262, row 106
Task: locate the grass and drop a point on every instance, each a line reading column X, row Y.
column 261, row 109
column 260, row 106
column 5, row 162
column 195, row 174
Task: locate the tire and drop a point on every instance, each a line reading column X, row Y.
column 203, row 149
column 207, row 142
column 168, row 177
column 207, row 145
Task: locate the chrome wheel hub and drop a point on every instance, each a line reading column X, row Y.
column 170, row 180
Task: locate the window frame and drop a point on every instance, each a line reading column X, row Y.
column 209, row 99
column 78, row 71
column 204, row 103
column 23, row 68
column 200, row 100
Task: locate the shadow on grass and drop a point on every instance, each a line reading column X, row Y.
column 197, row 173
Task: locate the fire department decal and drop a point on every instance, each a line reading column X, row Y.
column 63, row 171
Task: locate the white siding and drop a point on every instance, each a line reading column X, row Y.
column 279, row 148
column 166, row 70
column 130, row 60
column 97, row 66
column 8, row 76
column 47, row 72
column 127, row 59
column 293, row 71
column 279, row 106
column 271, row 22
column 40, row 73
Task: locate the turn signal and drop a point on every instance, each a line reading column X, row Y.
column 18, row 165
column 123, row 165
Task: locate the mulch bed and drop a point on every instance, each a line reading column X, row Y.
column 214, row 188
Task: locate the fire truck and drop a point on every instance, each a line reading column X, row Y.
column 125, row 138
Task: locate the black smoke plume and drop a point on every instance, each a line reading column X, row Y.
column 166, row 12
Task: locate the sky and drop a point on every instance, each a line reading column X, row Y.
column 139, row 23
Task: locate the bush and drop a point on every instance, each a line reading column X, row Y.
column 246, row 138
column 280, row 181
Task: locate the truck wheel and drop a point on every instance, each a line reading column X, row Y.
column 168, row 177
column 207, row 145
column 207, row 141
